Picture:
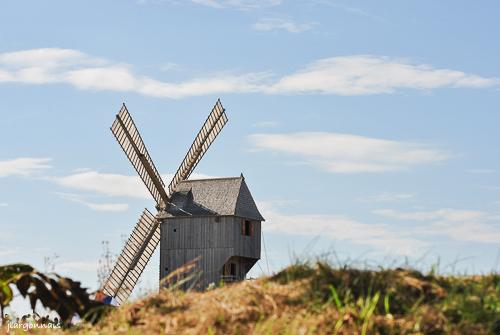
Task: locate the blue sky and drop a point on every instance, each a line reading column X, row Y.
column 368, row 129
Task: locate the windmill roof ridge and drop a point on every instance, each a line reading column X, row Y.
column 223, row 196
column 210, row 179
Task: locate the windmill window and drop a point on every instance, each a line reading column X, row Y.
column 175, row 230
column 246, row 227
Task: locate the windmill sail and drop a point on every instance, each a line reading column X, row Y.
column 207, row 134
column 130, row 140
column 134, row 257
column 146, row 234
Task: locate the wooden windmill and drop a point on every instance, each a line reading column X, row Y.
column 214, row 220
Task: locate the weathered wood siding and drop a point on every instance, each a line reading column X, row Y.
column 214, row 239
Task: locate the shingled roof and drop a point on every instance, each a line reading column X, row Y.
column 217, row 196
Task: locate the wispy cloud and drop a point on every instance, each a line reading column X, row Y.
column 110, row 184
column 446, row 214
column 25, row 166
column 96, row 206
column 387, row 197
column 169, row 66
column 104, row 183
column 3, row 204
column 382, row 237
column 351, row 9
column 281, row 24
column 468, row 231
column 238, row 4
column 347, row 75
column 458, row 224
column 342, row 153
column 53, row 65
column 221, row 4
column 358, row 75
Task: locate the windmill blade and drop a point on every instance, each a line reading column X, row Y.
column 216, row 120
column 134, row 257
column 130, row 140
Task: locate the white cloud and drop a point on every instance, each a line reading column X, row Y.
column 379, row 236
column 110, row 184
column 53, row 65
column 245, row 83
column 209, row 3
column 343, row 153
column 3, row 204
column 446, row 214
column 281, row 24
column 469, row 231
column 81, row 170
column 347, row 75
column 350, row 9
column 387, row 197
column 222, row 4
column 48, row 57
column 365, row 74
column 25, row 166
column 458, row 224
column 238, row 4
column 102, row 207
column 169, row 66
column 104, row 183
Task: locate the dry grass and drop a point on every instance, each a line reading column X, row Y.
column 318, row 299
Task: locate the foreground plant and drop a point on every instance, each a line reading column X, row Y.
column 314, row 299
column 318, row 299
column 56, row 293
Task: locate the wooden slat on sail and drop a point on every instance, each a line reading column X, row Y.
column 130, row 140
column 207, row 134
column 134, row 257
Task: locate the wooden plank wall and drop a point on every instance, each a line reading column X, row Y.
column 214, row 239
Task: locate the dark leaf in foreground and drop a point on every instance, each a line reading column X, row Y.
column 60, row 294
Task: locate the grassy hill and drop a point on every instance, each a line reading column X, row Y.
column 318, row 299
